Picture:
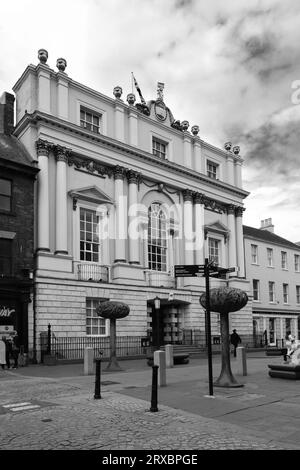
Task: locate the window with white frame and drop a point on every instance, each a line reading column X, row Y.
column 285, row 293
column 89, row 237
column 270, row 257
column 214, row 250
column 212, row 169
column 298, row 294
column 90, row 120
column 255, row 286
column 254, row 254
column 297, row 263
column 157, row 238
column 271, row 291
column 159, row 148
column 284, row 260
column 95, row 325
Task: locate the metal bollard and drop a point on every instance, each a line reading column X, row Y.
column 97, row 394
column 154, row 389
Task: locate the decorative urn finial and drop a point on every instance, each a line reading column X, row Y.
column 42, row 56
column 227, row 146
column 185, row 125
column 195, row 130
column 131, row 99
column 236, row 149
column 61, row 64
column 118, row 92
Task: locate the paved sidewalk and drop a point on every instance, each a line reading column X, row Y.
column 264, row 414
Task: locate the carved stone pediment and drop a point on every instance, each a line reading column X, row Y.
column 216, row 227
column 90, row 194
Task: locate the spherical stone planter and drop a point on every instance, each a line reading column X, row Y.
column 113, row 311
column 224, row 300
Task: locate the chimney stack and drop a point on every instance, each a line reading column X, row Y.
column 7, row 113
column 266, row 224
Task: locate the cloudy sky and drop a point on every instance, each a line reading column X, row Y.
column 231, row 67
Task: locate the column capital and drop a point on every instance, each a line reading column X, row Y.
column 43, row 147
column 231, row 209
column 239, row 211
column 198, row 198
column 187, row 195
column 61, row 154
column 119, row 172
column 133, row 176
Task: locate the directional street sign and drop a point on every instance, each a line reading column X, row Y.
column 194, row 270
column 188, row 270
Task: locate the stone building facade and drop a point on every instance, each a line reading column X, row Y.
column 273, row 269
column 18, row 171
column 124, row 193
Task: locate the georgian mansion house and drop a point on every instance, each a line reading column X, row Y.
column 124, row 193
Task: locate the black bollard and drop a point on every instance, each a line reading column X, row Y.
column 98, row 379
column 154, row 389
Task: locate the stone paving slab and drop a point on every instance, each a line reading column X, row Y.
column 119, row 422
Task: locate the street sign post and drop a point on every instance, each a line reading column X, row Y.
column 209, row 269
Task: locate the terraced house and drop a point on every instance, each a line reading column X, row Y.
column 124, row 193
column 273, row 269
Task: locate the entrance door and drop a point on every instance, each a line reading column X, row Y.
column 272, row 331
column 157, row 327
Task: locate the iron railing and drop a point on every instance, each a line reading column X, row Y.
column 92, row 272
column 72, row 348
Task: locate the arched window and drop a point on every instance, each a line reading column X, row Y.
column 157, row 238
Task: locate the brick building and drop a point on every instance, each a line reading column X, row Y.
column 17, row 174
column 124, row 193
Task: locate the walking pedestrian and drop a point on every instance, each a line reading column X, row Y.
column 15, row 350
column 235, row 340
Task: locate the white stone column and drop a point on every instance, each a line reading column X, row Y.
column 240, row 241
column 187, row 149
column 199, row 228
column 230, row 169
column 120, row 221
column 296, row 327
column 171, row 252
column 133, row 233
column 43, row 73
column 43, row 242
column 119, row 115
column 238, row 173
column 197, row 154
column 232, row 247
column 188, row 226
column 62, row 96
column 133, row 126
column 61, row 228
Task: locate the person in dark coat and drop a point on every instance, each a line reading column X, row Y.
column 8, row 351
column 15, row 351
column 235, row 340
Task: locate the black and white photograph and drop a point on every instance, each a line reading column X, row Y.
column 149, row 230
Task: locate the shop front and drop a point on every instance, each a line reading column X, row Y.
column 14, row 300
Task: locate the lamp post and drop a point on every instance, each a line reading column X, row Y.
column 157, row 307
